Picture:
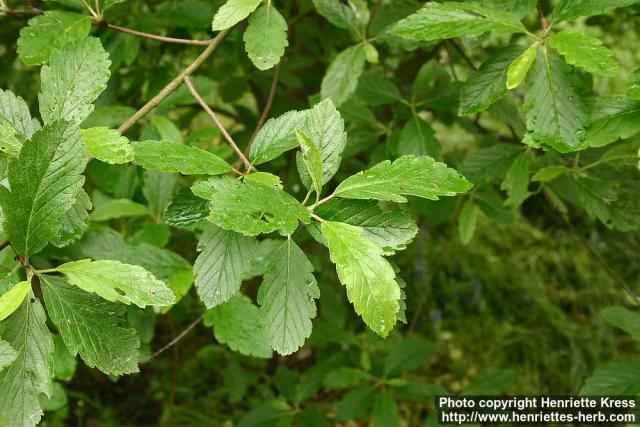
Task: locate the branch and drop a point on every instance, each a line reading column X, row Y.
column 176, row 339
column 215, row 119
column 267, row 107
column 174, row 84
column 152, row 36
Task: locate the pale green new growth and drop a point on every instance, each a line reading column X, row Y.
column 13, row 298
column 235, row 323
column 169, row 156
column 30, row 374
column 107, row 145
column 75, row 77
column 585, row 52
column 368, row 277
column 232, row 12
column 287, row 298
column 219, row 269
column 419, row 176
column 266, row 37
column 91, row 327
column 312, row 160
column 48, row 32
column 519, row 68
column 115, row 281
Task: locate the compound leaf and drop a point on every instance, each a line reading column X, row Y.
column 585, row 52
column 286, row 298
column 266, row 37
column 419, row 176
column 92, row 327
column 45, row 180
column 75, row 77
column 115, row 281
column 225, row 259
column 368, row 277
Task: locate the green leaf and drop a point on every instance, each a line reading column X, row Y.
column 158, row 189
column 266, row 37
column 341, row 15
column 13, row 298
column 613, row 117
column 618, row 378
column 169, row 156
column 467, row 222
column 436, row 21
column 385, row 410
column 286, row 298
column 219, row 269
column 407, row 355
column 186, row 209
column 91, row 327
column 419, row 176
column 325, row 127
column 355, row 403
column 45, row 181
column 392, row 230
column 418, row 137
column 48, row 32
column 623, row 318
column 7, row 354
column 16, row 112
column 556, row 115
column 74, row 222
column 491, row 383
column 232, row 12
column 64, row 363
column 550, row 173
column 516, row 182
column 75, row 77
column 276, row 136
column 253, row 208
column 488, row 84
column 374, row 88
column 368, row 277
column 10, row 139
column 118, row 208
column 585, row 52
column 519, row 68
column 115, row 281
column 312, row 160
column 567, row 10
column 341, row 78
column 107, row 145
column 235, row 323
column 633, row 85
column 30, row 374
column 345, row 378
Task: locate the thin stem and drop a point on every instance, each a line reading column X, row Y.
column 464, row 56
column 610, row 159
column 48, row 270
column 321, row 201
column 153, row 36
column 215, row 119
column 174, row 84
column 267, row 107
column 177, row 339
column 316, row 217
column 306, row 198
column 4, row 244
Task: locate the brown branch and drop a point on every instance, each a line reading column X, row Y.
column 267, row 107
column 216, row 120
column 27, row 11
column 177, row 339
column 152, row 36
column 175, row 83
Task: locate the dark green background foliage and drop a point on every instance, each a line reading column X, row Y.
column 158, row 268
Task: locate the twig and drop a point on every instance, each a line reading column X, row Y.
column 174, row 84
column 215, row 119
column 4, row 244
column 451, row 64
column 28, row 11
column 267, row 107
column 543, row 21
column 177, row 339
column 152, row 36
